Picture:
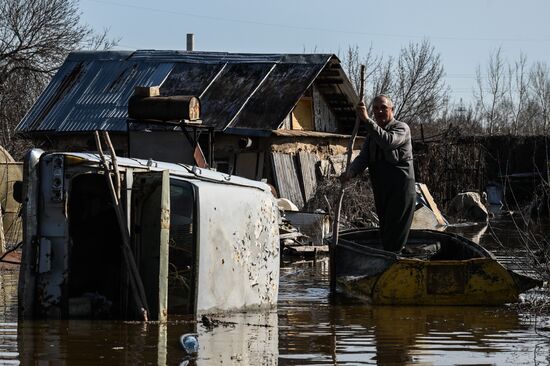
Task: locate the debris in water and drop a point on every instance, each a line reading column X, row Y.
column 209, row 323
column 190, row 343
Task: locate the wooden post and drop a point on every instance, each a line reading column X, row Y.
column 107, row 140
column 136, row 283
column 338, row 208
column 2, row 236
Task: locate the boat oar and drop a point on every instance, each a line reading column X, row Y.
column 338, row 208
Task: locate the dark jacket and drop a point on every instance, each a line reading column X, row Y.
column 394, row 140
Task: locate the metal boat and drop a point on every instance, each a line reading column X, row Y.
column 434, row 268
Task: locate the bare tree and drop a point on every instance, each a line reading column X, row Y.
column 539, row 84
column 352, row 62
column 384, row 80
column 414, row 79
column 35, row 38
column 511, row 98
column 419, row 90
column 518, row 95
column 491, row 92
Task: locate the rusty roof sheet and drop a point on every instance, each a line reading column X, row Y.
column 238, row 91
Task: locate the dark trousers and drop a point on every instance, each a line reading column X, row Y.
column 395, row 199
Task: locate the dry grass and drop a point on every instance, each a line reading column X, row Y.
column 531, row 224
column 357, row 206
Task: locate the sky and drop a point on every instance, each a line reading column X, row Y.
column 465, row 33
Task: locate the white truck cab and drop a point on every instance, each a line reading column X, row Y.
column 202, row 241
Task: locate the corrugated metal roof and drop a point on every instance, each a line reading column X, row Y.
column 249, row 91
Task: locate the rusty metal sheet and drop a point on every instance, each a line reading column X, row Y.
column 445, row 280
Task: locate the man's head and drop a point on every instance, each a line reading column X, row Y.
column 382, row 107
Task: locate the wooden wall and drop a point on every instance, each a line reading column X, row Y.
column 325, row 121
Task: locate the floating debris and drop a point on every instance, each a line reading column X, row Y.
column 190, row 343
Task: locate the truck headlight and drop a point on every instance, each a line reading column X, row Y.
column 57, row 178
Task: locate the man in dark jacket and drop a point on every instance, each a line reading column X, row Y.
column 387, row 152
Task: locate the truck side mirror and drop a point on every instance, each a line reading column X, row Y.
column 18, row 191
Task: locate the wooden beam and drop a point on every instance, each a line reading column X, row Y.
column 2, row 237
column 147, row 91
column 329, row 81
column 335, row 96
column 432, row 205
column 340, row 102
column 327, row 72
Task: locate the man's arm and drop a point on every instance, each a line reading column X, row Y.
column 396, row 136
column 361, row 162
column 388, row 140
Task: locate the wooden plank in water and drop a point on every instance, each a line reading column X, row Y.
column 432, row 204
column 286, row 178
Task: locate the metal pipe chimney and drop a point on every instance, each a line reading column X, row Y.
column 190, row 41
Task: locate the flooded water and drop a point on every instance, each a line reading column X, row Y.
column 305, row 329
column 312, row 332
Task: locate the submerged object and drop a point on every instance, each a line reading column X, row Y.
column 435, row 268
column 192, row 240
column 190, row 343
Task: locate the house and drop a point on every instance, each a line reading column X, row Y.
column 264, row 116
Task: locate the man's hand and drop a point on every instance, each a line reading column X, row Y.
column 362, row 112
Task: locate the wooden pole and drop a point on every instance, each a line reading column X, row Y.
column 107, row 140
column 338, row 208
column 2, row 236
column 136, row 283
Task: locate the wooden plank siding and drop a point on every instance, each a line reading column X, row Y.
column 325, row 120
column 286, row 178
column 307, row 162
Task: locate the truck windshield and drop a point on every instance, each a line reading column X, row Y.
column 181, row 248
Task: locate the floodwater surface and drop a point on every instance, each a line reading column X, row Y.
column 305, row 329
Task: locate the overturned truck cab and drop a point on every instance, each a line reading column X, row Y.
column 200, row 241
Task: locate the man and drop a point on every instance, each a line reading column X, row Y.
column 387, row 152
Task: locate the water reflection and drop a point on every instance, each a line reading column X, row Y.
column 313, row 332
column 247, row 339
column 306, row 329
column 244, row 339
column 9, row 353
